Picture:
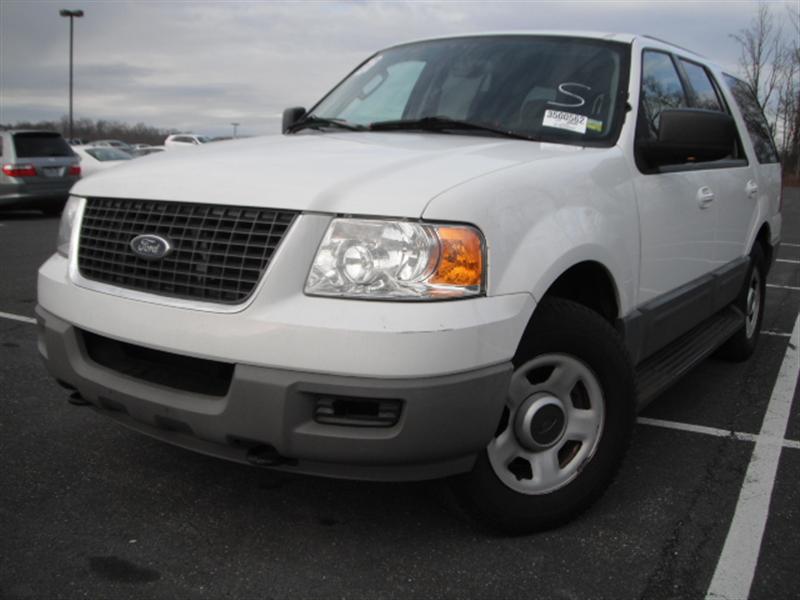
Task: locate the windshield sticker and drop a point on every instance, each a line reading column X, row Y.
column 594, row 125
column 560, row 119
column 578, row 100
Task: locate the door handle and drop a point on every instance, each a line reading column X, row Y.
column 704, row 196
column 752, row 189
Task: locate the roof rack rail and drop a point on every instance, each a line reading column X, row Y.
column 663, row 41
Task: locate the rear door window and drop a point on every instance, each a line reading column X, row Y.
column 36, row 145
column 757, row 126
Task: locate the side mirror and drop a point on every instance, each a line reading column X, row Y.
column 292, row 116
column 690, row 135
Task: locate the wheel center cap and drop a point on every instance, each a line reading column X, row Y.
column 540, row 422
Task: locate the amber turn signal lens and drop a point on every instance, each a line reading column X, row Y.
column 460, row 258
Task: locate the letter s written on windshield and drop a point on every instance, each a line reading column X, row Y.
column 578, row 100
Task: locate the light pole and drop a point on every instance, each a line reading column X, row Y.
column 235, row 125
column 72, row 14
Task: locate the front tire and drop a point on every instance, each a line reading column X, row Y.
column 566, row 427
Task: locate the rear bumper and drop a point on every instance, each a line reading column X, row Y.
column 35, row 198
column 443, row 423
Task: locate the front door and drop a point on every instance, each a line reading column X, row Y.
column 678, row 204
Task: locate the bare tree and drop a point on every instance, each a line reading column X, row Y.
column 770, row 64
column 89, row 129
column 789, row 94
column 761, row 54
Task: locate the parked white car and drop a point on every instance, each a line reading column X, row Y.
column 99, row 158
column 476, row 257
column 185, row 140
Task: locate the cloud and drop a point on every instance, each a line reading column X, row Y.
column 197, row 66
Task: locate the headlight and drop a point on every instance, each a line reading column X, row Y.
column 68, row 217
column 376, row 259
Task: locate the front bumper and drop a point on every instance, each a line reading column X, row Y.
column 281, row 327
column 444, row 421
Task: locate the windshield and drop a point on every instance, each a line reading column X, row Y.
column 545, row 88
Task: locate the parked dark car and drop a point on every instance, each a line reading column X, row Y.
column 38, row 170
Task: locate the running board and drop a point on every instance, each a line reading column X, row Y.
column 656, row 373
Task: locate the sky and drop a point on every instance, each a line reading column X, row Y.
column 199, row 66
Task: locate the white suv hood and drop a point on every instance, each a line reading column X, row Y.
column 391, row 174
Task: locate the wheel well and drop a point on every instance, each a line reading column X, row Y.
column 763, row 238
column 589, row 284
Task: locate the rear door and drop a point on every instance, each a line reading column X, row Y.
column 764, row 185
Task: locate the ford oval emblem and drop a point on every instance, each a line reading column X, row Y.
column 150, row 246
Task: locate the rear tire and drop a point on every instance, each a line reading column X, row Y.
column 567, row 424
column 743, row 343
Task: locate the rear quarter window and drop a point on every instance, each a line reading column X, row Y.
column 34, row 145
column 756, row 123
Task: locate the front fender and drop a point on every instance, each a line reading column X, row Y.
column 543, row 217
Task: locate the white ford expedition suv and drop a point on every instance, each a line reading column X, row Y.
column 475, row 258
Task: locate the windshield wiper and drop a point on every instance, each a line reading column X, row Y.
column 313, row 122
column 443, row 124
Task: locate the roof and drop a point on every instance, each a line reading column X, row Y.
column 625, row 38
column 599, row 35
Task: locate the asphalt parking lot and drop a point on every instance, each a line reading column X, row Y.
column 91, row 510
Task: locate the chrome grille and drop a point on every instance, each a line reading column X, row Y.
column 219, row 252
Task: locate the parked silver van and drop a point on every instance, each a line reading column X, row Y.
column 38, row 170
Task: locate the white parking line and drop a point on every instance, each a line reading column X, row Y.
column 790, row 245
column 737, row 563
column 788, row 260
column 716, row 432
column 777, row 333
column 5, row 315
column 784, row 287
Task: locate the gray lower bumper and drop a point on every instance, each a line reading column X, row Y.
column 444, row 422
